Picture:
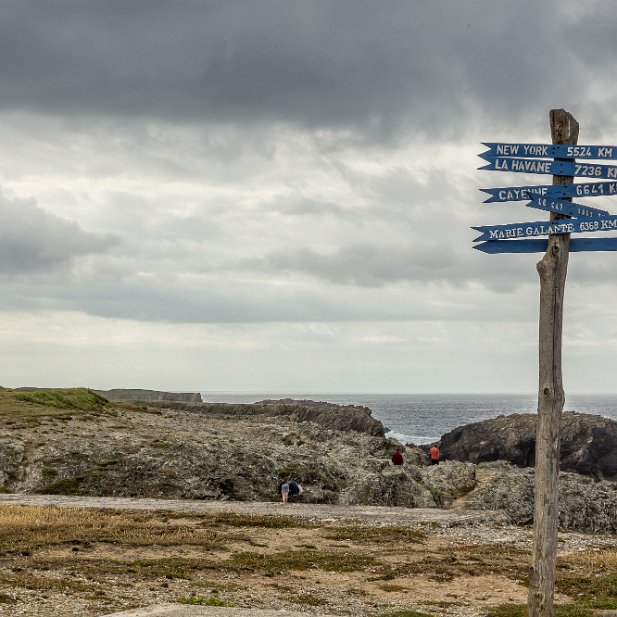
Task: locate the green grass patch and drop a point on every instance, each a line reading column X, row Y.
column 379, row 535
column 81, row 399
column 391, row 587
column 35, row 582
column 593, row 590
column 258, row 520
column 520, row 610
column 301, row 560
column 169, row 568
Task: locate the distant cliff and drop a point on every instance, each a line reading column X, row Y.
column 147, row 396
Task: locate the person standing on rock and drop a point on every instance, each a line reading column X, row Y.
column 397, row 457
column 434, row 454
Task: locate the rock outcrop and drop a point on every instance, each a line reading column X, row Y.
column 78, row 443
column 328, row 415
column 584, row 504
column 588, row 443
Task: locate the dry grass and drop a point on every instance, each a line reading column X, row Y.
column 31, row 528
column 109, row 560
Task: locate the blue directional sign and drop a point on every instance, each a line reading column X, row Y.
column 558, row 151
column 552, row 191
column 565, row 207
column 539, row 246
column 536, row 158
column 512, row 231
column 556, row 168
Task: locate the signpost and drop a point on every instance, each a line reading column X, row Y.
column 539, row 246
column 556, row 168
column 544, row 228
column 565, row 218
column 561, row 206
column 544, row 151
column 555, row 191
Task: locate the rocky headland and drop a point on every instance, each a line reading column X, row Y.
column 588, row 443
column 136, row 394
column 77, row 442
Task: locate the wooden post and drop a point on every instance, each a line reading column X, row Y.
column 552, row 270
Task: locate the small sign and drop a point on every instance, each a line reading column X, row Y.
column 558, row 151
column 566, row 208
column 556, row 168
column 539, row 246
column 545, row 228
column 552, row 191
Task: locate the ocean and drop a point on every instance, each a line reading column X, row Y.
column 424, row 418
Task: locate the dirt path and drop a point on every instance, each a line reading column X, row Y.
column 315, row 512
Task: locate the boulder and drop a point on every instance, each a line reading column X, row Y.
column 584, row 504
column 448, row 481
column 588, row 443
column 392, row 486
column 11, row 456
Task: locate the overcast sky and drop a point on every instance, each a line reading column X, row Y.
column 277, row 195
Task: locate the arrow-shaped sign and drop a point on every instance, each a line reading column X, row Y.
column 539, row 246
column 556, row 168
column 543, row 151
column 513, row 231
column 552, row 191
column 565, row 207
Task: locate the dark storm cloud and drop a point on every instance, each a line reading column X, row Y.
column 373, row 67
column 33, row 240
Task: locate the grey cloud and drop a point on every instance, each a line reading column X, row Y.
column 254, row 302
column 218, row 303
column 368, row 264
column 33, row 240
column 376, row 68
column 305, row 207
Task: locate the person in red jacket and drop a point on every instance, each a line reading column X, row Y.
column 397, row 458
column 434, row 454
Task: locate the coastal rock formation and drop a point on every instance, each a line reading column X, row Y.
column 392, row 486
column 448, row 481
column 75, row 442
column 337, row 417
column 328, row 415
column 148, row 396
column 584, row 504
column 588, row 443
